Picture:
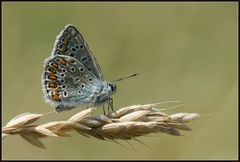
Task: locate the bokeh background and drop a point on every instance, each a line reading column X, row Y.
column 183, row 51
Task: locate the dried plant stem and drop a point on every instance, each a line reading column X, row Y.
column 126, row 123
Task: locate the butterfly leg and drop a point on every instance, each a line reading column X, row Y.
column 110, row 105
column 104, row 110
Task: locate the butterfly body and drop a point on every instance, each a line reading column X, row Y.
column 72, row 76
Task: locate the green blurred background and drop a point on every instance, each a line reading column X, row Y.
column 183, row 51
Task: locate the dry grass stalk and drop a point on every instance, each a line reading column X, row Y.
column 126, row 123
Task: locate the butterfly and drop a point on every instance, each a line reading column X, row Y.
column 72, row 76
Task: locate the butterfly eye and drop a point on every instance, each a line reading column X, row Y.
column 62, row 74
column 89, row 69
column 76, row 46
column 113, row 87
column 63, row 86
column 81, row 46
column 79, row 92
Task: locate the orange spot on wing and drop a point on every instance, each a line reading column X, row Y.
column 63, row 61
column 55, row 65
column 52, row 77
column 55, row 92
column 52, row 85
column 52, row 70
column 55, row 95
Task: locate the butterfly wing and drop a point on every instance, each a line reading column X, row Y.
column 71, row 43
column 68, row 83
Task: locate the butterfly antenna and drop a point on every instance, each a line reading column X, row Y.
column 136, row 74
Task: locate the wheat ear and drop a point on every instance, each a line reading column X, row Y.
column 126, row 123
